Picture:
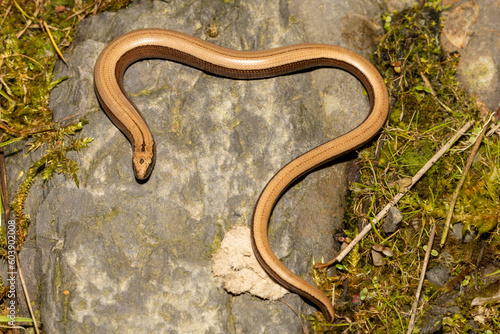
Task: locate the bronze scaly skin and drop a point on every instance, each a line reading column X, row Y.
column 176, row 46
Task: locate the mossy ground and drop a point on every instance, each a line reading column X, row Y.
column 428, row 106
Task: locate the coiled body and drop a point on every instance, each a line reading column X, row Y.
column 182, row 48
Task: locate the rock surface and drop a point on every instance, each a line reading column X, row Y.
column 473, row 29
column 116, row 256
column 236, row 263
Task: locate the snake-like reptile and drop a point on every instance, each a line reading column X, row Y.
column 185, row 49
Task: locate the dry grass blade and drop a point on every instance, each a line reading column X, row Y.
column 421, row 281
column 54, row 42
column 304, row 327
column 28, row 301
column 25, row 56
column 14, row 328
column 30, row 19
column 82, row 11
column 6, row 13
column 472, row 155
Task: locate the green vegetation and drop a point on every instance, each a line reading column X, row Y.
column 34, row 35
column 428, row 107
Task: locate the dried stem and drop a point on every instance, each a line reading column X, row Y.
column 392, row 203
column 422, row 278
column 304, row 327
column 479, row 140
column 26, row 294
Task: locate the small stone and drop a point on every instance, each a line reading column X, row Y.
column 457, row 231
column 378, row 253
column 432, row 325
column 392, row 220
column 378, row 259
column 438, row 275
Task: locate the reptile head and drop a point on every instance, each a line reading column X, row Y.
column 143, row 162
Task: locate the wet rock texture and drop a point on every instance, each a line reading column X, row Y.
column 472, row 28
column 117, row 256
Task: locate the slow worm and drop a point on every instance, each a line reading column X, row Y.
column 185, row 49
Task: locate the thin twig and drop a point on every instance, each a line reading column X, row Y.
column 479, row 140
column 94, row 12
column 30, row 19
column 53, row 42
column 79, row 12
column 392, row 203
column 304, row 328
column 26, row 294
column 25, row 56
column 3, row 188
column 6, row 13
column 421, row 281
column 493, row 129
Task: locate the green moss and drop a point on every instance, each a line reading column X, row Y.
column 144, row 92
column 428, row 106
column 28, row 61
column 412, row 160
column 58, row 276
column 26, row 80
column 109, row 216
column 217, row 240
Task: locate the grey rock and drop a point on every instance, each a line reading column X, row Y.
column 433, row 319
column 392, row 220
column 472, row 29
column 136, row 258
column 432, row 325
column 378, row 259
column 439, row 310
column 438, row 275
column 457, row 231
